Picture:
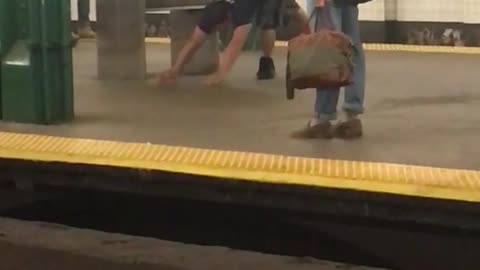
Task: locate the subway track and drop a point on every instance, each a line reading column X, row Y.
column 191, row 222
column 353, row 241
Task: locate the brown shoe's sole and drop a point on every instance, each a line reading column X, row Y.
column 316, row 132
column 349, row 130
column 87, row 34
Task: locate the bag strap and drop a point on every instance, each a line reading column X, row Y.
column 282, row 12
column 323, row 18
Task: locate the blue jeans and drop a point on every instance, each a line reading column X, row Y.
column 344, row 18
column 83, row 12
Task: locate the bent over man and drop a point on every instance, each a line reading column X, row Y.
column 240, row 13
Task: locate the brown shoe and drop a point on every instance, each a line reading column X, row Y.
column 319, row 131
column 86, row 32
column 350, row 129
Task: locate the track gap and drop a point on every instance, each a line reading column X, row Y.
column 191, row 222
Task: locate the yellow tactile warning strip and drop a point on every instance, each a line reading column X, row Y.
column 421, row 48
column 380, row 47
column 425, row 182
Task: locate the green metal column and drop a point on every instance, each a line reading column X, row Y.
column 7, row 33
column 37, row 73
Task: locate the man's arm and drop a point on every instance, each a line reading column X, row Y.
column 234, row 48
column 242, row 14
column 191, row 46
column 231, row 53
column 213, row 15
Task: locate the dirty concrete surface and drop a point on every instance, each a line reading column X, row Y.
column 421, row 109
column 36, row 245
column 15, row 257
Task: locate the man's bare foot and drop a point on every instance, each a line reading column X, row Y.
column 215, row 79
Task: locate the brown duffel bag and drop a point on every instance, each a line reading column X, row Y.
column 323, row 59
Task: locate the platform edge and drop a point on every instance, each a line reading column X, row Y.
column 281, row 170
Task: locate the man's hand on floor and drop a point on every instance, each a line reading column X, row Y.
column 167, row 77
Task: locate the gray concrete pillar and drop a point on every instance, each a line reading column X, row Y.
column 182, row 23
column 121, row 39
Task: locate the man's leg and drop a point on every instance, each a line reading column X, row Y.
column 320, row 126
column 266, row 68
column 351, row 126
column 184, row 56
column 355, row 93
column 84, row 28
column 267, row 18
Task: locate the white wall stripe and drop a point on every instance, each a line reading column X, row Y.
column 463, row 11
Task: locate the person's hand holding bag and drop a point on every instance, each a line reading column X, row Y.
column 320, row 3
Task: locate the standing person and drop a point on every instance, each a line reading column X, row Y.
column 344, row 18
column 84, row 29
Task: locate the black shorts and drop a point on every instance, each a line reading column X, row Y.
column 214, row 14
column 237, row 12
column 268, row 16
column 242, row 12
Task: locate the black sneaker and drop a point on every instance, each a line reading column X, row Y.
column 266, row 69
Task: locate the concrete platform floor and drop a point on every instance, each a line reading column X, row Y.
column 422, row 109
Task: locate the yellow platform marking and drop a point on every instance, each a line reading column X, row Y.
column 379, row 47
column 417, row 181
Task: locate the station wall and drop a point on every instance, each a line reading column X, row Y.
column 432, row 22
column 459, row 11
